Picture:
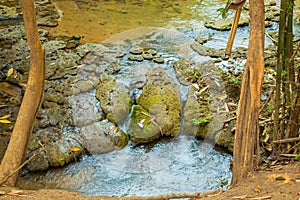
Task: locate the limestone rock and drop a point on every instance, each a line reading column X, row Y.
column 101, row 137
column 114, row 99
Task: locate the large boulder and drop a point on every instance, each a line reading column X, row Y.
column 102, row 137
column 54, row 153
column 114, row 99
column 197, row 112
column 158, row 110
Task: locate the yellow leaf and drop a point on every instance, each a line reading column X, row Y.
column 10, row 72
column 116, row 130
column 5, row 121
column 5, row 117
column 74, row 149
column 15, row 75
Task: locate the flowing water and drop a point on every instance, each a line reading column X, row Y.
column 175, row 165
column 171, row 165
column 180, row 164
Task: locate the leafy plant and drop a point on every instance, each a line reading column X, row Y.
column 196, row 74
column 270, row 108
column 224, row 11
column 235, row 80
column 199, row 122
column 223, row 182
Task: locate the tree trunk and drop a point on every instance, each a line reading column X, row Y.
column 17, row 147
column 246, row 136
column 280, row 64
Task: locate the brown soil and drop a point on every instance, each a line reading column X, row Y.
column 278, row 182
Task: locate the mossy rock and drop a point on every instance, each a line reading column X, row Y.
column 185, row 72
column 164, row 103
column 60, row 153
column 225, row 24
column 141, row 129
column 114, row 99
column 196, row 109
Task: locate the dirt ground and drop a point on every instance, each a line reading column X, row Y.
column 277, row 182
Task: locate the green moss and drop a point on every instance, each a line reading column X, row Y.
column 141, row 129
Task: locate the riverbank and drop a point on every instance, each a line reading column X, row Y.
column 277, row 182
column 63, row 56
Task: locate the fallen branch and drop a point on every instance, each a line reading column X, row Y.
column 173, row 196
column 271, row 38
column 261, row 198
column 287, row 140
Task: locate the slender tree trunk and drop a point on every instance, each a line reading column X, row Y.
column 17, row 147
column 280, row 64
column 291, row 90
column 246, row 143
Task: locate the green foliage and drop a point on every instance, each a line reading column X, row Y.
column 196, row 74
column 270, row 108
column 235, row 80
column 199, row 122
column 223, row 182
column 297, row 156
column 223, row 11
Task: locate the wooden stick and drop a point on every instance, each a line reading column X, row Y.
column 173, row 196
column 287, row 140
column 235, row 23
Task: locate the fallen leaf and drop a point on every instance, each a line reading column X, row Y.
column 258, row 189
column 5, row 117
column 5, row 121
column 74, row 149
column 116, row 130
column 16, row 192
column 195, row 86
column 10, row 72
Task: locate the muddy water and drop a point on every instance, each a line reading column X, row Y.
column 97, row 20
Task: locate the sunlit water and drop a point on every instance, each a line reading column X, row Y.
column 97, row 21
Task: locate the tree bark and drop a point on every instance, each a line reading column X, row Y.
column 17, row 147
column 246, row 136
column 281, row 58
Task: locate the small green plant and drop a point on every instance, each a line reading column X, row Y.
column 270, row 108
column 235, row 80
column 297, row 156
column 196, row 74
column 223, row 182
column 224, row 11
column 199, row 122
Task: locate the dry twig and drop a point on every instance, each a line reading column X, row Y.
column 20, row 167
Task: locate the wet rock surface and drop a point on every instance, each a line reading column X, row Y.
column 140, row 100
column 97, row 97
column 271, row 14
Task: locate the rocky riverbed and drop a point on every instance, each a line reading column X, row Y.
column 100, row 97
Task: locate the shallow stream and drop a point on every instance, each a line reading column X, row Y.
column 171, row 165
